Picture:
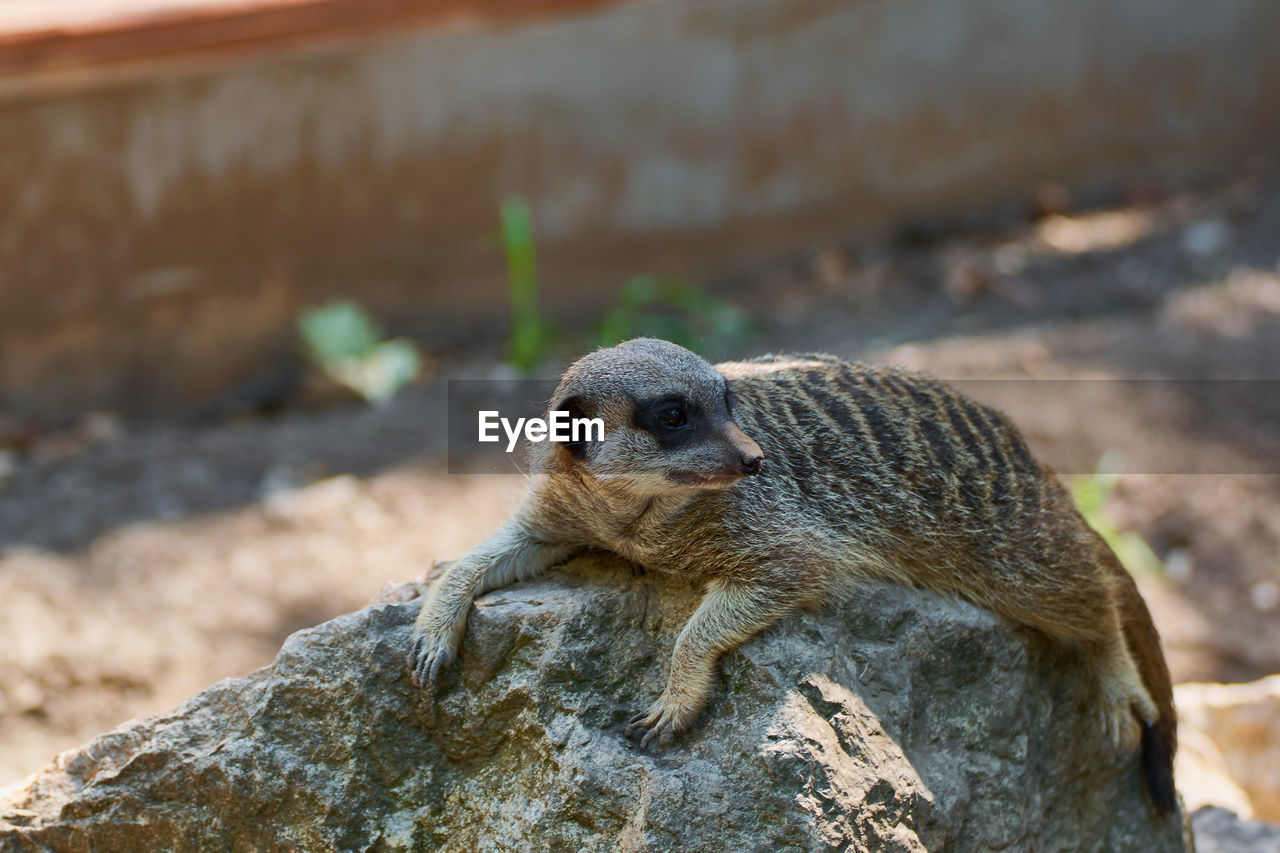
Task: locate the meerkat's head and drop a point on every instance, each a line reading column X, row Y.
column 667, row 416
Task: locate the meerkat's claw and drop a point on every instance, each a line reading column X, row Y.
column 1120, row 726
column 439, row 661
column 427, row 659
column 660, row 724
column 650, row 731
column 1145, row 708
column 1125, row 705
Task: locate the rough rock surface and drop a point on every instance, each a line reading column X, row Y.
column 896, row 722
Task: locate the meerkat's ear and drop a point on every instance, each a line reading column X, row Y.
column 576, row 406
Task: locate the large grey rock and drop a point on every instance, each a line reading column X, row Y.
column 1221, row 831
column 896, row 722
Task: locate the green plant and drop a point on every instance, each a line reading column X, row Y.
column 671, row 308
column 342, row 340
column 1091, row 493
column 648, row 305
column 530, row 336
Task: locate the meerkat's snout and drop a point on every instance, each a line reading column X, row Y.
column 749, row 454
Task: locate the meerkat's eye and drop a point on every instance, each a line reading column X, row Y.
column 673, row 417
column 673, row 420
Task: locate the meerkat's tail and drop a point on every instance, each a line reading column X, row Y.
column 1159, row 739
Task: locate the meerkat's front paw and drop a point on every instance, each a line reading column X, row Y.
column 436, row 638
column 665, row 719
column 429, row 654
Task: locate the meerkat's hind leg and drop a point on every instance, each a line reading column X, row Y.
column 730, row 614
column 1125, row 704
column 1085, row 614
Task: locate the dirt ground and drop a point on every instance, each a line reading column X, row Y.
column 139, row 562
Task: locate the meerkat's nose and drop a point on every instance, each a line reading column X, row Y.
column 749, row 453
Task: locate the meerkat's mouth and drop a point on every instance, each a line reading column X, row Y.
column 704, row 481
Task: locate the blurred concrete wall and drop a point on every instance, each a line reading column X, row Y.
column 158, row 234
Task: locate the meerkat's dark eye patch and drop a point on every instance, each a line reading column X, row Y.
column 672, row 420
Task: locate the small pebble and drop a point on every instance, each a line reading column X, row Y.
column 1205, row 238
column 1265, row 596
column 1178, row 565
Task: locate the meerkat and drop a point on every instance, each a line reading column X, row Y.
column 784, row 481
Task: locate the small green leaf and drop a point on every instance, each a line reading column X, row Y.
column 336, row 331
column 1091, row 493
column 343, row 341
